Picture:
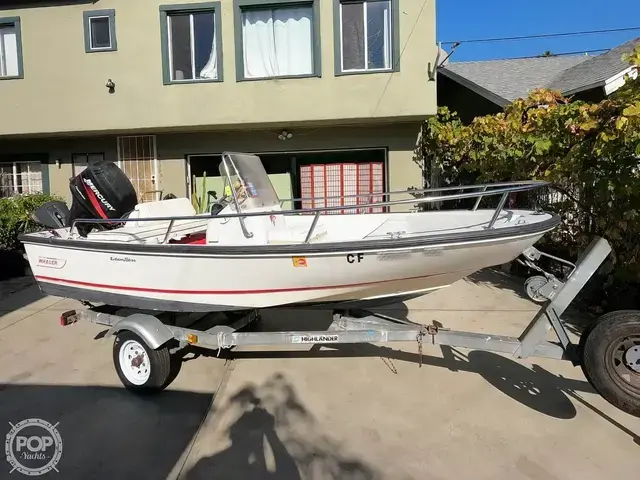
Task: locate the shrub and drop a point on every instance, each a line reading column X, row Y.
column 588, row 152
column 15, row 217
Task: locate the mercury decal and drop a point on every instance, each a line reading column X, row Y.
column 99, row 195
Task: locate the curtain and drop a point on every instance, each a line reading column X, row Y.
column 6, row 179
column 277, row 42
column 210, row 70
column 8, row 51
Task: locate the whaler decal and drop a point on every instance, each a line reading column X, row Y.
column 99, row 195
column 48, row 262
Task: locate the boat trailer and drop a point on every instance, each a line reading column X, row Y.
column 147, row 343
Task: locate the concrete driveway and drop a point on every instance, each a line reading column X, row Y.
column 355, row 412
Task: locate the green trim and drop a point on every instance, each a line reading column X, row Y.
column 240, row 5
column 15, row 22
column 337, row 37
column 86, row 19
column 166, row 10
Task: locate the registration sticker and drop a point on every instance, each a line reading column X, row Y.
column 299, row 261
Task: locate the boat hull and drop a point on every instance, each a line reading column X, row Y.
column 185, row 282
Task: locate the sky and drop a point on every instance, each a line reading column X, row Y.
column 474, row 19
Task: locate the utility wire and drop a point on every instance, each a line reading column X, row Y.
column 545, row 35
column 559, row 54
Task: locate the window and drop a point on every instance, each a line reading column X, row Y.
column 191, row 43
column 366, row 35
column 100, row 31
column 277, row 39
column 20, row 177
column 81, row 161
column 10, row 48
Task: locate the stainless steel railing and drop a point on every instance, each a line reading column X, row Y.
column 485, row 190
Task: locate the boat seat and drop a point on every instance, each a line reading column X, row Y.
column 154, row 231
column 175, row 207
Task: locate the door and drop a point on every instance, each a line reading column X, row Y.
column 320, row 182
column 137, row 158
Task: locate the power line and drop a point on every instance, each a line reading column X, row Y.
column 560, row 54
column 545, row 35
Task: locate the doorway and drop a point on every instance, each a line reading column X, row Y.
column 289, row 172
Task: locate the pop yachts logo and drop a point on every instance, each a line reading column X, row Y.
column 98, row 194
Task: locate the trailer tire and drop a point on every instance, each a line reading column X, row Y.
column 140, row 368
column 611, row 352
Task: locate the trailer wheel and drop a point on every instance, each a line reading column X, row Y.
column 611, row 359
column 140, row 368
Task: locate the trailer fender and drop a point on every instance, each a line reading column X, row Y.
column 149, row 328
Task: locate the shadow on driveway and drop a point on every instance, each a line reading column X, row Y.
column 17, row 293
column 107, row 432
column 575, row 321
column 110, row 433
column 274, row 436
column 536, row 388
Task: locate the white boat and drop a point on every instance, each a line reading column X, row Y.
column 249, row 252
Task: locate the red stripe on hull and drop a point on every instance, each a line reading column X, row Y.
column 221, row 292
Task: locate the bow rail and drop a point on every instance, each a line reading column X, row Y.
column 484, row 190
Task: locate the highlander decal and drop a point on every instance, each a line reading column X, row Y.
column 315, row 339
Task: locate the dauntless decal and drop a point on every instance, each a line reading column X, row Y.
column 99, row 195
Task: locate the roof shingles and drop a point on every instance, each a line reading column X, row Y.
column 516, row 78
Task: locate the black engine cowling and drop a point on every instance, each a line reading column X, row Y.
column 101, row 191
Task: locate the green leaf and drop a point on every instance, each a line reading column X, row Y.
column 542, row 145
column 621, row 122
column 632, row 110
column 588, row 125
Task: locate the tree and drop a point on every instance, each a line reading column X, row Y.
column 590, row 152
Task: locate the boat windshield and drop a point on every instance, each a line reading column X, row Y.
column 246, row 179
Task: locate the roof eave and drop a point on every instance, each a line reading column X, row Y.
column 584, row 88
column 483, row 92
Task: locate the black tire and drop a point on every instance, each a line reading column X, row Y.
column 159, row 364
column 602, row 347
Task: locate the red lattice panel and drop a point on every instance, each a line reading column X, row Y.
column 318, row 182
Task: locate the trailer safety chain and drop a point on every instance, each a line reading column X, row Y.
column 221, row 343
column 419, row 340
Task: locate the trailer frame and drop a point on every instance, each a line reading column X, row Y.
column 170, row 332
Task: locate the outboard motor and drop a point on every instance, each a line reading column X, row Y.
column 52, row 215
column 101, row 191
